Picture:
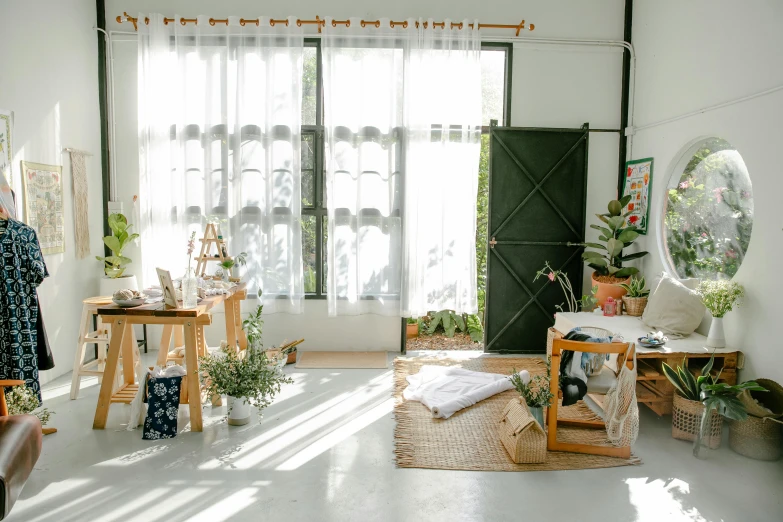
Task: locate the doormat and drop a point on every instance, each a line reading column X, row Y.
column 469, row 440
column 341, row 360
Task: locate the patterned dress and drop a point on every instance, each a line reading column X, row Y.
column 22, row 269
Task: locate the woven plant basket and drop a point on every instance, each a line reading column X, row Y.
column 634, row 306
column 756, row 438
column 521, row 434
column 764, row 404
column 686, row 420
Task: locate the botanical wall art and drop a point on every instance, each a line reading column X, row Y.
column 43, row 195
column 6, row 150
column 637, row 183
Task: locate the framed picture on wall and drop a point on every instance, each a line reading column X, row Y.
column 637, row 183
column 43, row 199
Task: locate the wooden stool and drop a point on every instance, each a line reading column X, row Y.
column 100, row 338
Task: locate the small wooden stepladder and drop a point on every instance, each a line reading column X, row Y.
column 210, row 238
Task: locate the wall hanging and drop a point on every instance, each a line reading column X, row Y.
column 81, row 228
column 6, row 148
column 43, row 195
column 637, row 183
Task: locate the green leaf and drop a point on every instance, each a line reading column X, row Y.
column 631, row 257
column 603, row 218
column 113, row 243
column 690, row 381
column 595, row 245
column 612, row 269
column 626, row 236
column 589, row 254
column 708, row 367
column 625, row 200
column 605, row 230
column 670, row 374
column 448, row 325
column 615, row 222
column 460, row 322
column 627, row 271
column 614, row 247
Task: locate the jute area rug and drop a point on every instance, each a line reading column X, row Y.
column 469, row 440
column 341, row 360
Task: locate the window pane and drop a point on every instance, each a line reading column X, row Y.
column 308, row 174
column 309, row 91
column 493, row 85
column 325, row 264
column 709, row 212
column 308, row 253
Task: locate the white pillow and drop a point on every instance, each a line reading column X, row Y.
column 673, row 308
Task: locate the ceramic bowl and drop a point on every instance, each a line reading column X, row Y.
column 130, row 303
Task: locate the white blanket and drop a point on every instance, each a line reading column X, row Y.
column 446, row 390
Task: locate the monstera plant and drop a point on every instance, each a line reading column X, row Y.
column 115, row 264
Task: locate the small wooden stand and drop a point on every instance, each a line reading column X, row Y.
column 210, row 238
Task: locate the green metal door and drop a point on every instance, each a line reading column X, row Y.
column 537, row 197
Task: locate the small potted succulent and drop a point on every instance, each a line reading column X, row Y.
column 635, row 298
column 606, row 259
column 536, row 392
column 114, row 266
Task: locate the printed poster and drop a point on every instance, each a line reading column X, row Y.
column 637, row 183
column 43, row 194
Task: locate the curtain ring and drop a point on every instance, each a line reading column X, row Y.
column 298, row 23
column 271, row 22
column 363, row 24
column 286, row 22
column 348, row 23
column 212, row 22
column 334, row 23
column 377, row 24
column 242, row 22
column 405, row 24
column 182, row 21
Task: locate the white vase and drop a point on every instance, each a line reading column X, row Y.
column 238, row 411
column 716, row 338
column 110, row 285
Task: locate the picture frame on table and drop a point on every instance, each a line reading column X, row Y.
column 168, row 289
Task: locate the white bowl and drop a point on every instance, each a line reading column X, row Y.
column 129, row 303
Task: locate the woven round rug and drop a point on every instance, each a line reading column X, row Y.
column 469, row 440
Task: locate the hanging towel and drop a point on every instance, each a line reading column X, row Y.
column 445, row 390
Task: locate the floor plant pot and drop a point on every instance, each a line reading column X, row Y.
column 759, row 438
column 609, row 289
column 716, row 338
column 687, row 420
column 109, row 285
column 238, row 411
column 411, row 330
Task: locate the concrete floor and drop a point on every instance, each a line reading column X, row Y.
column 323, row 451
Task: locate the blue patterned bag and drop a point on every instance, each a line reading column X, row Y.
column 163, row 399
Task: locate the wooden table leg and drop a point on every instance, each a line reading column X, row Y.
column 231, row 322
column 128, row 363
column 179, row 339
column 119, row 326
column 191, row 361
column 238, row 322
column 165, row 342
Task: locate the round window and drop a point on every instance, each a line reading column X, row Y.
column 708, row 212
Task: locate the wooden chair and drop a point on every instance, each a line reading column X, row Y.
column 600, row 383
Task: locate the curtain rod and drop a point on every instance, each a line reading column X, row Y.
column 320, row 22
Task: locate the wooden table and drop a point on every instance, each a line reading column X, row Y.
column 190, row 322
column 652, row 387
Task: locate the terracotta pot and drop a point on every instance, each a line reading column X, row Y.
column 412, row 331
column 291, row 358
column 609, row 290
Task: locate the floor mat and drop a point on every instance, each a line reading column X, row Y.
column 341, row 360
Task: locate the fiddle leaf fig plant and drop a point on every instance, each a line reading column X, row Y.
column 607, row 257
column 115, row 264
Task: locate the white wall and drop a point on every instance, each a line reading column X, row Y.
column 50, row 81
column 699, row 53
column 563, row 87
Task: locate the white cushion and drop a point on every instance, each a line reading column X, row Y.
column 673, row 308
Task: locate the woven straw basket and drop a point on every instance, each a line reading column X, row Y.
column 634, row 306
column 764, row 404
column 686, row 420
column 756, row 438
column 521, row 435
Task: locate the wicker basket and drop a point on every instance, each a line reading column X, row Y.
column 634, row 306
column 764, row 404
column 521, row 435
column 756, row 438
column 686, row 421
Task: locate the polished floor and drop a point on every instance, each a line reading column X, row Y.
column 323, row 451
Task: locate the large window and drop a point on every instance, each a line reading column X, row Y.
column 708, row 212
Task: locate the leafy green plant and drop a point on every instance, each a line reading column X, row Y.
column 588, row 301
column 22, row 400
column 449, row 320
column 115, row 264
column 249, row 374
column 686, row 383
column 720, row 297
column 565, row 284
column 725, row 398
column 607, row 257
column 253, row 327
column 636, row 287
column 536, row 393
column 475, row 328
column 240, row 260
column 412, row 320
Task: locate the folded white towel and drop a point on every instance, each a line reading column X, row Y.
column 446, row 390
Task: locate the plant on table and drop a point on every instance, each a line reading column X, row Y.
column 115, row 264
column 239, row 260
column 636, row 288
column 536, row 392
column 607, row 257
column 22, row 400
column 721, row 296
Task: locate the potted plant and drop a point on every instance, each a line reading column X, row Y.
column 536, row 392
column 248, row 378
column 412, row 328
column 607, row 258
column 692, row 420
column 720, row 297
column 116, row 264
column 635, row 298
column 253, row 327
column 22, row 400
column 230, row 266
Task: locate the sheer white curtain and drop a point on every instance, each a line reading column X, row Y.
column 219, row 131
column 442, row 147
column 363, row 116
